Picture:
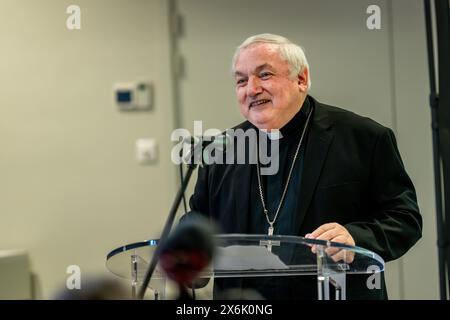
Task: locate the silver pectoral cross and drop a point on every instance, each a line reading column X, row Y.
column 269, row 243
column 270, row 230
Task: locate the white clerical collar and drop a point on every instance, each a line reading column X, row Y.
column 274, row 134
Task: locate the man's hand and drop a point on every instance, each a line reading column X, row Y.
column 336, row 233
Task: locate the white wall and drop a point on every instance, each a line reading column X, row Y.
column 70, row 187
column 413, row 123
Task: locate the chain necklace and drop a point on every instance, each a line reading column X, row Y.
column 266, row 212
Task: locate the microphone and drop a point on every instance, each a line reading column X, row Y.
column 188, row 250
column 201, row 148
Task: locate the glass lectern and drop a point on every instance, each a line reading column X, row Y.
column 242, row 255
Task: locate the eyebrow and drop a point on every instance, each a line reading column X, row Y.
column 258, row 68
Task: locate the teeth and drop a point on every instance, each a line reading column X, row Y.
column 257, row 103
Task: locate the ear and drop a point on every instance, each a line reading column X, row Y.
column 302, row 80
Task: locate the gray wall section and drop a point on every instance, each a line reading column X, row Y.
column 349, row 63
column 420, row 272
column 71, row 189
column 381, row 74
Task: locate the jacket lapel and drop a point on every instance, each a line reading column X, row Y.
column 320, row 137
column 241, row 190
column 241, row 185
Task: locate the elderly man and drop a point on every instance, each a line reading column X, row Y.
column 340, row 175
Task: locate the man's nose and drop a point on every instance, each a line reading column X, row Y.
column 253, row 86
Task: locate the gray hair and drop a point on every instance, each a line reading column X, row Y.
column 289, row 51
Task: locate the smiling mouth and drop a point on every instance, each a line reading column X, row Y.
column 258, row 103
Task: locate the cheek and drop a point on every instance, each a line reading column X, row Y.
column 241, row 101
column 240, row 95
column 284, row 97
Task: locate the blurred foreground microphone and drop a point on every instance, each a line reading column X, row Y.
column 205, row 149
column 187, row 251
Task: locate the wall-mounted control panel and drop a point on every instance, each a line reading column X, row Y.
column 133, row 96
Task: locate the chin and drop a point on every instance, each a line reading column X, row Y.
column 261, row 125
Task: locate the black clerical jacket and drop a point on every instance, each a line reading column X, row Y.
column 353, row 175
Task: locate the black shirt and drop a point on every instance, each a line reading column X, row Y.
column 273, row 185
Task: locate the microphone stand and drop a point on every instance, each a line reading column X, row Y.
column 442, row 231
column 167, row 228
column 195, row 155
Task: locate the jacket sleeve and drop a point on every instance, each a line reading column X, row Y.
column 199, row 201
column 394, row 224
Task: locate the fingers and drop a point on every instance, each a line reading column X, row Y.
column 343, row 255
column 322, row 233
column 336, row 233
column 332, row 251
column 320, row 230
column 330, row 234
column 338, row 255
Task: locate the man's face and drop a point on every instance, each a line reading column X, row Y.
column 268, row 96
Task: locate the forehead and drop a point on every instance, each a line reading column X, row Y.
column 259, row 55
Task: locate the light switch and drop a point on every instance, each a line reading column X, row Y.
column 146, row 151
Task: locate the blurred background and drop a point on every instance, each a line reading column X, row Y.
column 76, row 180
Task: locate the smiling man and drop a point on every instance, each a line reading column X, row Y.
column 268, row 95
column 340, row 177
